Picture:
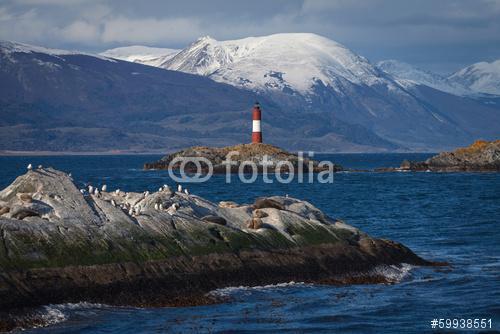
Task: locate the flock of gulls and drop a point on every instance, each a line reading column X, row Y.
column 132, row 210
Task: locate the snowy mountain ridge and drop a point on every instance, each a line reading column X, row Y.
column 295, row 61
column 8, row 47
column 409, row 75
column 141, row 54
column 482, row 77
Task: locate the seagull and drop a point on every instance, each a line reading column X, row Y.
column 131, row 212
column 40, row 166
column 146, row 194
column 117, row 191
column 160, row 206
column 91, row 190
column 156, row 206
column 104, row 188
column 96, row 192
column 30, row 167
column 179, row 188
column 70, row 175
column 186, row 191
column 160, row 189
column 113, row 203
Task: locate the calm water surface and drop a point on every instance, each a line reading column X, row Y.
column 447, row 217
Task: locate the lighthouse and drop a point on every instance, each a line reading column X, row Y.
column 256, row 130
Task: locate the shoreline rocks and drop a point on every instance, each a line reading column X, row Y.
column 481, row 156
column 76, row 246
column 244, row 152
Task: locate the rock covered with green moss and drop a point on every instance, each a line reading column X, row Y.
column 62, row 244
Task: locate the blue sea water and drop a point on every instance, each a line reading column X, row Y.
column 452, row 217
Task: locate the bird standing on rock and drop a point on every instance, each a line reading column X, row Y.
column 30, row 167
column 179, row 188
column 156, row 206
column 91, row 190
column 186, row 191
column 104, row 188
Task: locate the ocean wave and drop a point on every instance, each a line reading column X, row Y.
column 225, row 292
column 393, row 273
column 52, row 314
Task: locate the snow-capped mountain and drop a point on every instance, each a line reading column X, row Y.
column 409, row 75
column 141, row 54
column 474, row 80
column 295, row 62
column 480, row 77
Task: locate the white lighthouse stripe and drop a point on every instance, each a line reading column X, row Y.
column 256, row 126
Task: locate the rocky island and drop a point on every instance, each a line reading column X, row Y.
column 481, row 156
column 61, row 244
column 254, row 152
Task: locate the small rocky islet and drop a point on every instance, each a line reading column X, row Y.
column 241, row 153
column 481, row 156
column 62, row 244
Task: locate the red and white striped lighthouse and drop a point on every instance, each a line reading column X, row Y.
column 256, row 130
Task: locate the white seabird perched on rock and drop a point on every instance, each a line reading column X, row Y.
column 104, row 188
column 179, row 188
column 113, row 203
column 30, row 167
column 160, row 189
column 146, row 194
column 96, row 192
column 156, row 206
column 82, row 191
column 91, row 189
column 186, row 191
column 117, row 191
column 160, row 206
column 40, row 166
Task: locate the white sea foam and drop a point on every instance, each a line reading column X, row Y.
column 224, row 292
column 393, row 273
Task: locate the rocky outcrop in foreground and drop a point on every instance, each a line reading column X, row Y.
column 482, row 156
column 61, row 244
column 245, row 152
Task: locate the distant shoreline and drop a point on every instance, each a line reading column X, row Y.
column 7, row 153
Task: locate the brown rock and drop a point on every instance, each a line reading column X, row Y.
column 25, row 197
column 263, row 203
column 4, row 210
column 228, row 204
column 259, row 214
column 254, row 223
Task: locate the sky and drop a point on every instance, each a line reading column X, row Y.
column 438, row 35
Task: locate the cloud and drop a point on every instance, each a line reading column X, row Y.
column 80, row 31
column 150, row 30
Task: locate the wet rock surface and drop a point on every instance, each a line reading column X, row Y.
column 244, row 153
column 166, row 247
